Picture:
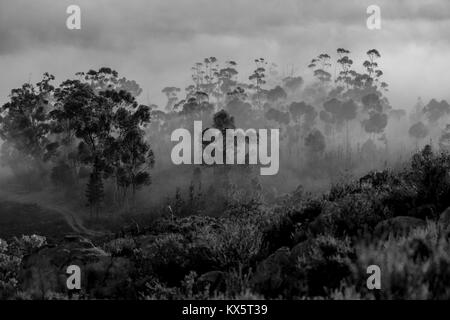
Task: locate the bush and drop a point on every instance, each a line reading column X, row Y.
column 351, row 215
column 324, row 265
column 10, row 260
column 416, row 266
column 236, row 242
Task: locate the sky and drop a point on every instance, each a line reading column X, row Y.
column 155, row 42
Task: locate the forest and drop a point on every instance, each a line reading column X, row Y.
column 87, row 179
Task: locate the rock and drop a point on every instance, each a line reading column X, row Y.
column 102, row 276
column 271, row 275
column 145, row 240
column 77, row 243
column 418, row 249
column 171, row 257
column 423, row 212
column 300, row 235
column 215, row 280
column 444, row 218
column 301, row 249
column 121, row 246
column 110, row 278
column 318, row 225
column 397, row 226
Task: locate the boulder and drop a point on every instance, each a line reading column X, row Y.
column 214, row 279
column 423, row 212
column 444, row 218
column 102, row 276
column 301, row 249
column 318, row 225
column 272, row 274
column 397, row 226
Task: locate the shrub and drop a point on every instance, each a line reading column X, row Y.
column 416, row 266
column 324, row 265
column 9, row 268
column 236, row 242
column 351, row 215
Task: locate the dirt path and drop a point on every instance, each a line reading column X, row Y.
column 71, row 217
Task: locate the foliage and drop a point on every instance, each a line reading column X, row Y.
column 93, row 122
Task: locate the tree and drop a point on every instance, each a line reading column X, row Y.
column 346, row 63
column 130, row 154
column 276, row 94
column 24, row 127
column 320, row 64
column 315, row 141
column 373, row 72
column 435, row 110
column 418, row 131
column 72, row 101
column 172, row 97
column 444, row 139
column 375, row 123
column 292, row 83
column 258, row 76
column 107, row 124
column 304, row 115
column 278, row 116
column 88, row 115
column 94, row 191
column 226, row 78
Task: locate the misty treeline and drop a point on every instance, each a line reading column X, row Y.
column 90, row 128
column 341, row 121
column 90, row 132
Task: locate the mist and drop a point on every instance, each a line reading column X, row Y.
column 104, row 168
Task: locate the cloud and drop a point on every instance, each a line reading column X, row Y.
column 121, row 25
column 156, row 41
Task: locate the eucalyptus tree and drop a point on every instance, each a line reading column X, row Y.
column 320, row 65
column 345, row 63
column 373, row 71
column 172, row 97
column 259, row 78
column 107, row 124
column 129, row 153
column 25, row 128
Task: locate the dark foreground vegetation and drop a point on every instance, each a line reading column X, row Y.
column 304, row 246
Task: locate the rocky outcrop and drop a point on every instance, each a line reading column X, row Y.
column 213, row 280
column 444, row 218
column 300, row 250
column 397, row 226
column 44, row 272
column 272, row 274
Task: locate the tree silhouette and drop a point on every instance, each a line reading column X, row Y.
column 107, row 126
column 346, row 63
column 418, row 131
column 172, row 97
column 320, row 64
column 94, row 191
column 258, row 76
column 24, row 127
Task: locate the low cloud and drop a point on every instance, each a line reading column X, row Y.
column 156, row 42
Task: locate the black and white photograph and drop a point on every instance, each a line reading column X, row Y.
column 239, row 150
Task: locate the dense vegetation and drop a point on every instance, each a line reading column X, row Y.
column 303, row 247
column 92, row 138
column 222, row 231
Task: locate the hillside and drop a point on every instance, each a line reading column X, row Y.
column 303, row 247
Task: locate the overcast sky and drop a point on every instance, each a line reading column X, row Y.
column 155, row 42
